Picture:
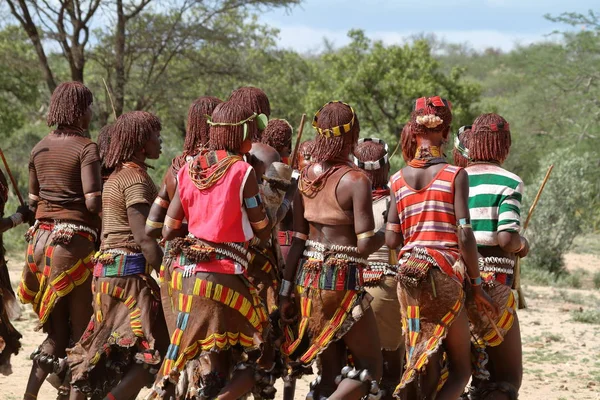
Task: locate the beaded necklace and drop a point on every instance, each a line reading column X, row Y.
column 427, row 156
column 209, row 167
column 310, row 187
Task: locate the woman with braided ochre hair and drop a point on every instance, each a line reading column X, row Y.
column 126, row 338
column 257, row 101
column 429, row 216
column 495, row 196
column 9, row 308
column 218, row 310
column 333, row 235
column 371, row 155
column 65, row 193
column 196, row 139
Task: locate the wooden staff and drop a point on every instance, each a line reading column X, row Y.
column 496, row 329
column 111, row 99
column 517, row 282
column 298, row 138
column 12, row 178
column 397, row 147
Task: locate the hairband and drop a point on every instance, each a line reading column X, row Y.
column 336, row 130
column 458, row 143
column 261, row 122
column 436, row 101
column 372, row 165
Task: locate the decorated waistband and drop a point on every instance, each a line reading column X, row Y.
column 116, row 263
column 198, row 250
column 285, row 238
column 503, row 265
column 333, row 274
column 63, row 232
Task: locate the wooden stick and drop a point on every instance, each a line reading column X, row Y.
column 111, row 99
column 298, row 138
column 489, row 317
column 396, row 149
column 521, row 303
column 12, row 178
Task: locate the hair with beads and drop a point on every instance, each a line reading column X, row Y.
column 373, row 151
column 459, row 159
column 277, row 134
column 129, row 133
column 489, row 139
column 69, row 101
column 197, row 127
column 335, row 147
column 431, row 115
column 253, row 98
column 228, row 136
column 408, row 143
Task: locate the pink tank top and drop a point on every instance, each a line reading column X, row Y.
column 217, row 214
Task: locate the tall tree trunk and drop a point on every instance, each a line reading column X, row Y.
column 120, row 59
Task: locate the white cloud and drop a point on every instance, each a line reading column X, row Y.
column 308, row 39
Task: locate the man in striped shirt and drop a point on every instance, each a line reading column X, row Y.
column 495, row 196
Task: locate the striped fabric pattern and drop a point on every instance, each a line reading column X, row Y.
column 427, row 216
column 495, row 196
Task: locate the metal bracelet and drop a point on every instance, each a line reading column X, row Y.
column 16, row 219
column 286, row 288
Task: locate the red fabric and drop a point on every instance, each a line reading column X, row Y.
column 216, row 214
column 380, row 193
column 427, row 217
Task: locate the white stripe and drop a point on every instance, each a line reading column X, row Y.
column 246, row 227
column 481, row 169
column 489, row 189
column 509, row 215
column 486, row 238
column 479, row 213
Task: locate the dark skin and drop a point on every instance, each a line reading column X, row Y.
column 353, row 193
column 242, row 381
column 158, row 213
column 457, row 342
column 74, row 308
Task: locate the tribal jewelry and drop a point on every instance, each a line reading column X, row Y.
column 336, row 130
column 253, row 202
column 16, row 219
column 93, row 194
column 396, row 228
column 286, row 288
column 310, row 187
column 172, row 223
column 464, row 223
column 321, row 247
column 427, row 156
column 162, row 203
column 437, row 101
column 301, row 236
column 475, row 281
column 458, row 143
column 365, row 235
column 372, row 165
column 33, row 197
column 154, row 224
column 260, row 225
column 209, row 168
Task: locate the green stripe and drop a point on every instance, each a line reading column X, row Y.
column 509, row 222
column 486, row 200
column 493, row 179
column 484, row 225
column 509, row 208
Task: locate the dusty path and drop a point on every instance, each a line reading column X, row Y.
column 561, row 356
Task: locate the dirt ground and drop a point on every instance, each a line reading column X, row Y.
column 561, row 356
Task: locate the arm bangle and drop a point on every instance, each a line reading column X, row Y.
column 475, row 281
column 172, row 223
column 396, row 228
column 301, row 236
column 522, row 245
column 253, row 202
column 286, row 288
column 260, row 225
column 16, row 219
column 154, row 224
column 92, row 195
column 365, row 235
column 33, row 197
column 162, row 203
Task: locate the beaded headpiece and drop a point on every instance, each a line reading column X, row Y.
column 372, row 165
column 261, row 121
column 336, row 130
column 458, row 143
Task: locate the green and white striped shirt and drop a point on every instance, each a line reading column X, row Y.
column 495, row 196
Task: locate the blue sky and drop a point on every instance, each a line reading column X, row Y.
column 484, row 23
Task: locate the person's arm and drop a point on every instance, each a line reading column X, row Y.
column 174, row 226
column 393, row 229
column 368, row 241
column 509, row 223
column 290, row 194
column 158, row 211
column 34, row 187
column 261, row 226
column 137, row 214
column 467, row 243
column 91, row 179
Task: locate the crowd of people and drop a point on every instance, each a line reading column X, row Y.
column 254, row 261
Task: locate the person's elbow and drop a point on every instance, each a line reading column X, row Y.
column 509, row 241
column 94, row 205
column 263, row 234
column 152, row 232
column 393, row 240
column 169, row 233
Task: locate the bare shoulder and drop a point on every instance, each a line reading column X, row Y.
column 355, row 179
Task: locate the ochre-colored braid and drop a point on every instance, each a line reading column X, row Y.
column 205, row 178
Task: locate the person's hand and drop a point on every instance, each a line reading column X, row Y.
column 28, row 215
column 288, row 311
column 485, row 304
column 525, row 247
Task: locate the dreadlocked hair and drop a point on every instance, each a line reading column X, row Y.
column 408, row 143
column 373, row 151
column 197, row 127
column 277, row 134
column 253, row 98
column 69, row 101
column 129, row 133
column 103, row 145
column 305, row 149
column 486, row 143
column 230, row 137
column 459, row 159
column 430, row 119
column 335, row 147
